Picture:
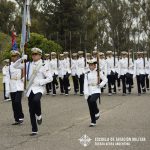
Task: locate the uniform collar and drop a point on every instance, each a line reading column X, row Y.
column 94, row 70
column 37, row 62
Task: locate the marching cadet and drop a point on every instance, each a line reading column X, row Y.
column 67, row 73
column 88, row 58
column 94, row 55
column 81, row 71
column 16, row 88
column 103, row 66
column 129, row 74
column 147, row 70
column 6, row 80
column 54, row 70
column 39, row 75
column 74, row 72
column 47, row 63
column 123, row 68
column 139, row 72
column 116, row 58
column 61, row 73
column 102, row 63
column 92, row 90
column 110, row 73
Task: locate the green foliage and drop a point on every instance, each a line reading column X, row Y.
column 5, row 46
column 39, row 41
column 7, row 11
column 36, row 40
column 108, row 24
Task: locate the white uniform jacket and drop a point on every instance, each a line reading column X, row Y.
column 90, row 82
column 131, row 67
column 123, row 66
column 67, row 66
column 5, row 71
column 15, row 74
column 110, row 65
column 61, row 65
column 42, row 77
column 53, row 66
column 80, row 66
column 74, row 67
column 6, row 80
column 103, row 66
column 147, row 66
column 139, row 67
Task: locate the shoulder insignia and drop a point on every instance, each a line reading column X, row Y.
column 87, row 72
column 99, row 70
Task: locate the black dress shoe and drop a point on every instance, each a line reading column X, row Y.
column 16, row 123
column 33, row 134
column 92, row 125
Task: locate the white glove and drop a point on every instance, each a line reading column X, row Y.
column 24, row 57
column 23, row 79
column 86, row 96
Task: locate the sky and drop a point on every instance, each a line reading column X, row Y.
column 12, row 0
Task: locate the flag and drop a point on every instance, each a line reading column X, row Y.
column 26, row 23
column 14, row 43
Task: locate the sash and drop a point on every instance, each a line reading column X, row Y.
column 33, row 76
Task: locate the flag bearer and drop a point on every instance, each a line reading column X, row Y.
column 39, row 75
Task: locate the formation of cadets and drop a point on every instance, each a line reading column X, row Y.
column 56, row 71
column 119, row 71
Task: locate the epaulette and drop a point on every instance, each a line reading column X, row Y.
column 99, row 70
column 87, row 72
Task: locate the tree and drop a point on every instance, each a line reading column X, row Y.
column 108, row 24
column 41, row 42
column 7, row 12
column 5, row 46
column 36, row 40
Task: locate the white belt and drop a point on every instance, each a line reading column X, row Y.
column 16, row 78
column 92, row 84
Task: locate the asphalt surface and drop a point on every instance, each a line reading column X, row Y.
column 124, row 124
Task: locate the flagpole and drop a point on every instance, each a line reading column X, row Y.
column 70, row 39
column 57, row 49
column 85, row 49
column 26, row 23
column 98, row 63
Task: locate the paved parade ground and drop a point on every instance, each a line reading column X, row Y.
column 124, row 120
